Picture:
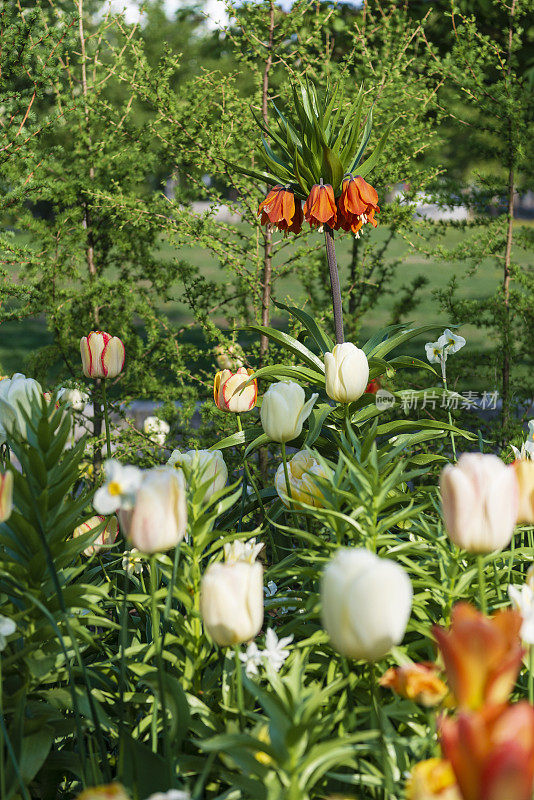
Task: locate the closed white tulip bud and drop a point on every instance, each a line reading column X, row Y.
column 158, row 520
column 17, row 395
column 284, row 410
column 347, row 372
column 366, row 603
column 211, row 467
column 231, row 601
column 480, row 499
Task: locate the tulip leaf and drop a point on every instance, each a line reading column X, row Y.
column 289, row 343
column 323, row 342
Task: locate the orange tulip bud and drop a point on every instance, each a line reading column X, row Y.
column 524, row 472
column 102, row 355
column 230, row 392
column 281, row 209
column 320, row 207
column 432, row 779
column 418, row 682
column 492, row 752
column 482, row 655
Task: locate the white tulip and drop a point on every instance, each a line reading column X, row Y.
column 347, row 373
column 210, row 465
column 366, row 603
column 231, row 601
column 480, row 499
column 284, row 410
column 158, row 520
column 156, row 429
column 17, row 395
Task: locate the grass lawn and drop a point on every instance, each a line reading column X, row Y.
column 19, row 338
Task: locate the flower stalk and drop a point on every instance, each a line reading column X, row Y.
column 334, row 283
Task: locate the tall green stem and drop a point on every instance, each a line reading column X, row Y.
column 286, row 473
column 239, row 682
column 444, row 378
column 482, row 584
column 156, row 640
column 375, row 704
column 106, row 418
column 334, row 283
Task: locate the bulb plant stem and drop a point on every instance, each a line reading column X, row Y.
column 334, row 283
column 286, row 473
column 377, row 713
column 106, row 419
column 444, row 379
column 239, row 681
column 482, row 584
column 156, row 639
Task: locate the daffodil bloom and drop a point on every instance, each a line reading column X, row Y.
column 120, row 489
column 450, row 342
column 435, row 353
column 527, row 448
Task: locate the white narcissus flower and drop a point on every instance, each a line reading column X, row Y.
column 119, row 490
column 76, row 399
column 275, row 652
column 210, row 466
column 17, row 395
column 242, row 551
column 156, row 429
column 527, row 448
column 366, row 603
column 284, row 410
column 347, row 372
column 158, row 520
column 231, row 601
column 434, row 352
column 252, row 659
column 450, row 342
column 132, row 562
column 7, row 627
column 480, row 500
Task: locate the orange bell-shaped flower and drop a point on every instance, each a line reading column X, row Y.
column 492, row 752
column 358, row 204
column 281, row 209
column 482, row 655
column 320, row 207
